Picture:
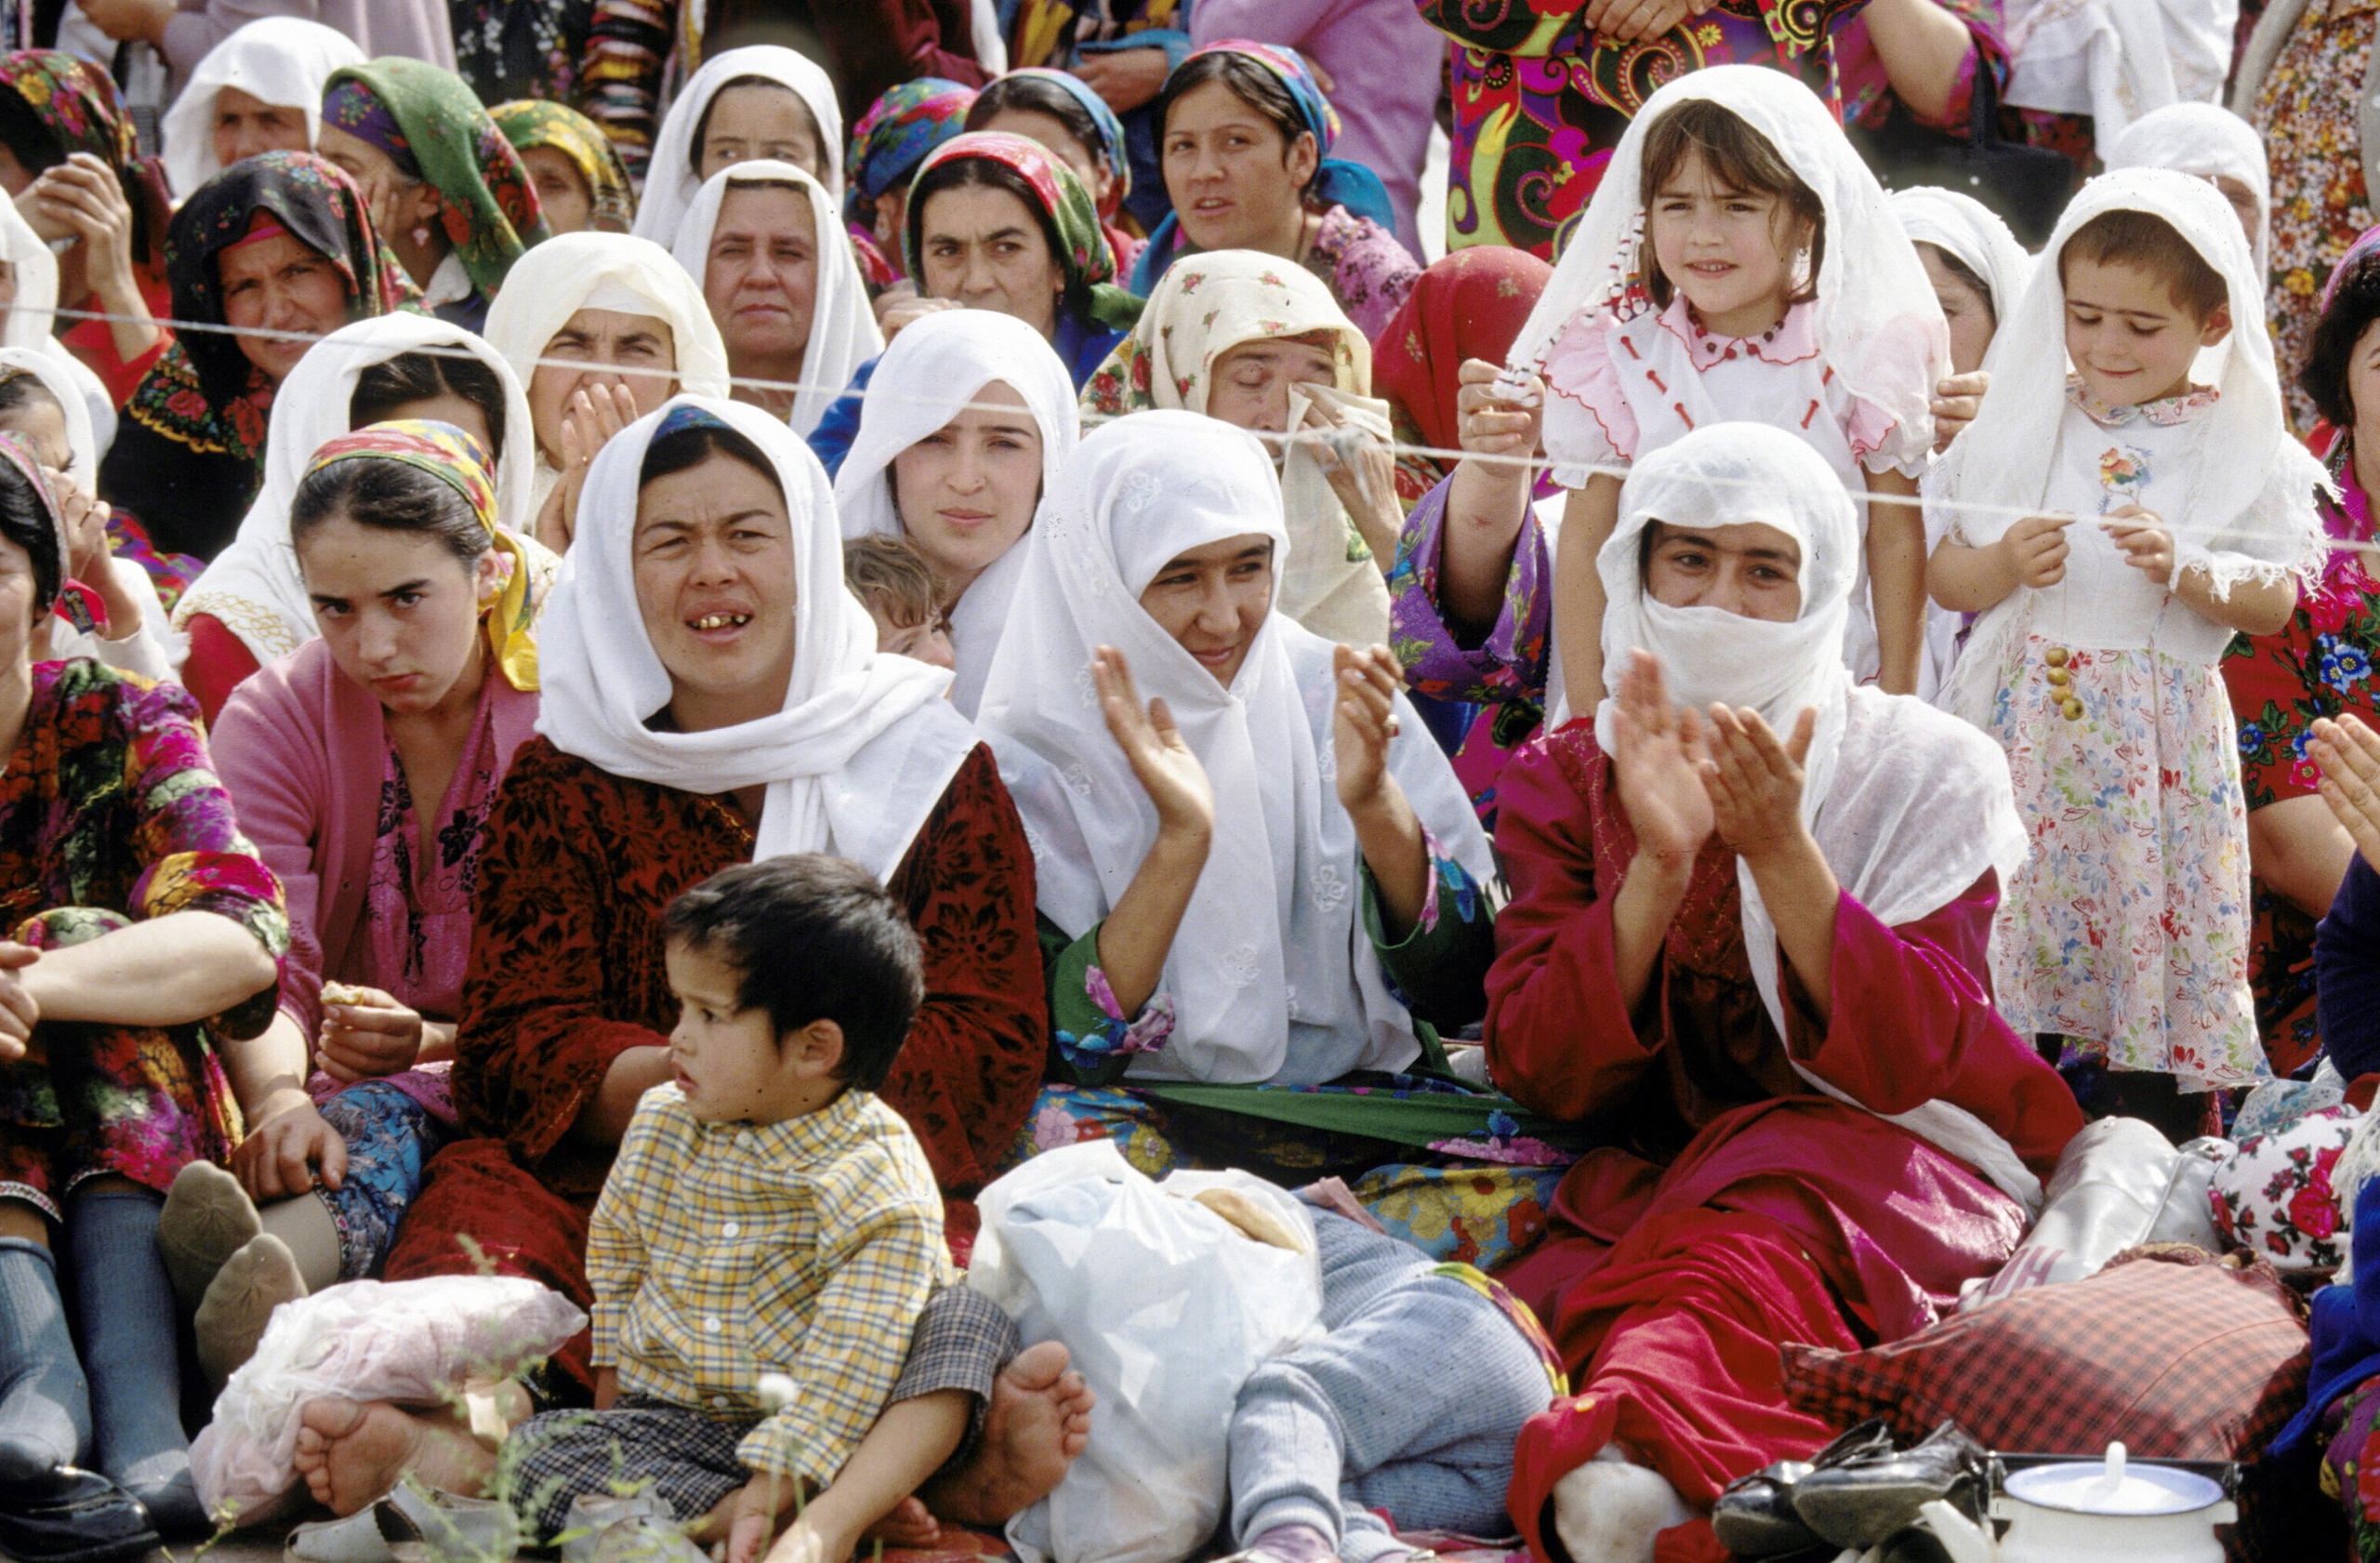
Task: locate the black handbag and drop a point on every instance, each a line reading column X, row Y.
column 2028, row 186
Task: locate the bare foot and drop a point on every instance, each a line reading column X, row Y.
column 352, row 1453
column 1039, row 1421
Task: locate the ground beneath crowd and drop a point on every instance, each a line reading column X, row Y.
column 262, row 1545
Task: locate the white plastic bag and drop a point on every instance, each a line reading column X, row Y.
column 2119, row 1184
column 410, row 1342
column 1166, row 1308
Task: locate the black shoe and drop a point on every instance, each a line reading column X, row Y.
column 80, row 1518
column 1863, row 1500
column 172, row 1505
column 1755, row 1517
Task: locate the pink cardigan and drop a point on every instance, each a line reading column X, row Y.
column 300, row 748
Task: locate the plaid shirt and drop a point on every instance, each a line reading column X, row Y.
column 720, row 1252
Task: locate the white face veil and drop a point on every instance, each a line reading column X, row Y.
column 864, row 744
column 279, row 60
column 1877, row 321
column 670, row 182
column 926, row 378
column 1964, row 227
column 1909, row 806
column 254, row 588
column 843, row 334
column 555, row 279
column 1271, row 973
column 2208, row 141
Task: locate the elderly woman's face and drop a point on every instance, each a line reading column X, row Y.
column 281, row 285
column 713, row 562
column 1752, row 569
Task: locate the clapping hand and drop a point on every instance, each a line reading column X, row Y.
column 1161, row 760
column 2349, row 755
column 1754, row 781
column 1657, row 751
column 1365, row 722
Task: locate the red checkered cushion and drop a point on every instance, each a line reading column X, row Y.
column 2179, row 1356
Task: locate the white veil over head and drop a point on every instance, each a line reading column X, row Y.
column 1271, row 972
column 1964, row 227
column 864, row 744
column 2209, row 141
column 843, row 334
column 279, row 60
column 1878, row 324
column 669, row 180
column 927, row 377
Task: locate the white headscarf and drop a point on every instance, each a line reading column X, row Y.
column 670, row 182
column 2252, row 513
column 1878, row 323
column 866, row 743
column 2208, row 141
column 33, row 323
column 2118, row 60
column 555, row 279
column 1207, row 304
column 842, row 326
column 925, row 379
column 1964, row 227
column 1271, row 972
column 283, row 60
column 65, row 391
column 254, row 587
column 1908, row 806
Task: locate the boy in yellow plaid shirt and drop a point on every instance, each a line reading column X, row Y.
column 767, row 1213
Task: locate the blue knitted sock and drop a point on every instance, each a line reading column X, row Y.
column 45, row 1407
column 124, row 1313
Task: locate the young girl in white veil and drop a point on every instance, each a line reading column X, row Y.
column 2114, row 529
column 1737, row 263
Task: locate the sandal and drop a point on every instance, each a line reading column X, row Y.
column 78, row 1517
column 426, row 1522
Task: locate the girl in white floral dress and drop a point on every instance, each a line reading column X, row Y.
column 2168, row 515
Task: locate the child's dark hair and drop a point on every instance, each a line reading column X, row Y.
column 2146, row 242
column 891, row 576
column 1039, row 95
column 1254, row 84
column 1738, row 158
column 25, row 522
column 814, row 937
column 408, row 377
column 390, row 496
column 2355, row 304
column 702, row 124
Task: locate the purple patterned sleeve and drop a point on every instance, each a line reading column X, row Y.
column 1510, row 663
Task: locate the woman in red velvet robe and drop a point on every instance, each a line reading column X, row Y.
column 1761, row 960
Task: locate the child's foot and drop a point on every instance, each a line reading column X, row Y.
column 352, row 1453
column 1610, row 1511
column 1039, row 1421
column 208, row 1216
column 240, row 1301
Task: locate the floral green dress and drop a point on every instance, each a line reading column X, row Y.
column 111, row 814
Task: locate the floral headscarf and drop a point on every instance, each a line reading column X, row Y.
column 900, row 128
column 536, row 123
column 1468, row 305
column 320, row 207
column 1112, row 149
column 1084, row 254
column 78, row 104
column 461, row 463
column 427, row 121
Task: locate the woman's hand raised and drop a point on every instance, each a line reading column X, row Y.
column 1755, row 780
column 1657, row 753
column 1162, row 761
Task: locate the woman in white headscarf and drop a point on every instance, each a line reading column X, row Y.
column 2215, row 144
column 1243, row 337
column 764, row 101
column 1750, row 905
column 259, row 89
column 1255, row 867
column 27, row 319
column 601, row 328
column 712, row 695
column 764, row 243
column 250, row 605
column 1975, row 265
column 938, row 424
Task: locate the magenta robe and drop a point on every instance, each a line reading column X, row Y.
column 1740, row 1208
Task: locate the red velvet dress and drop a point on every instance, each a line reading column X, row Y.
column 1737, row 1209
column 566, row 973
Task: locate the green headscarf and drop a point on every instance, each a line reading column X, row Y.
column 427, row 121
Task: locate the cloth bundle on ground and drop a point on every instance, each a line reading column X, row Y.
column 416, row 1343
column 1166, row 1305
column 2274, row 1195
